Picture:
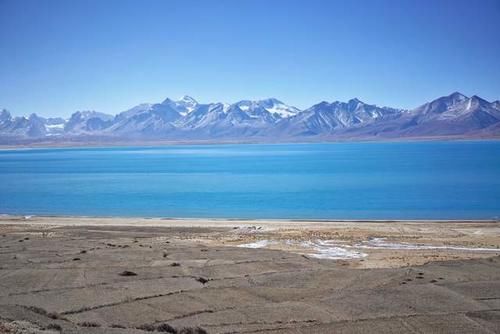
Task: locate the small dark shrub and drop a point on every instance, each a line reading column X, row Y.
column 54, row 327
column 83, row 252
column 127, row 273
column 117, row 326
column 76, row 259
column 166, row 328
column 147, row 327
column 175, row 264
column 39, row 310
column 53, row 315
column 89, row 324
column 202, row 280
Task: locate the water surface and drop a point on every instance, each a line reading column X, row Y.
column 425, row 180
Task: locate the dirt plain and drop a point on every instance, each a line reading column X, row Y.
column 128, row 275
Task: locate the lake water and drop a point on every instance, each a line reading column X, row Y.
column 433, row 180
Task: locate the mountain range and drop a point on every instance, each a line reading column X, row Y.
column 452, row 116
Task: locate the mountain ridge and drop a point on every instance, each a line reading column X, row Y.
column 454, row 115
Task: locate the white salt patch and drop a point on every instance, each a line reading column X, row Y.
column 327, row 250
column 257, row 244
column 321, row 249
column 380, row 243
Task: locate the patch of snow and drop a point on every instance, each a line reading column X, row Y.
column 469, row 104
column 283, row 110
column 54, row 126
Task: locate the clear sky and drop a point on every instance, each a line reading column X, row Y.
column 57, row 57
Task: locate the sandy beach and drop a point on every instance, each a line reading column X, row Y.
column 137, row 275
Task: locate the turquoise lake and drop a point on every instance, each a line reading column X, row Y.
column 390, row 180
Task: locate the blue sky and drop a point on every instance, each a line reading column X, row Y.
column 57, row 57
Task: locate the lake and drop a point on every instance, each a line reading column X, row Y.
column 389, row 180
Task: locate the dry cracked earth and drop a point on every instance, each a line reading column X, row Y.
column 139, row 280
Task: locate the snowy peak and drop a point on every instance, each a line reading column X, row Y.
column 183, row 106
column 274, row 107
column 187, row 100
column 457, row 97
column 87, row 121
column 354, row 103
column 187, row 104
column 88, row 114
column 186, row 119
column 277, row 107
column 441, row 104
column 337, row 115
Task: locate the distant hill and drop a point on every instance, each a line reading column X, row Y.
column 186, row 120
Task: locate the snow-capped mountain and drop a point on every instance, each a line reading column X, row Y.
column 184, row 106
column 326, row 118
column 439, row 105
column 146, row 120
column 271, row 109
column 455, row 114
column 264, row 120
column 31, row 127
column 84, row 122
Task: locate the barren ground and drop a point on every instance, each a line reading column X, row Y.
column 117, row 275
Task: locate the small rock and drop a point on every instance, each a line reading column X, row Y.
column 202, row 280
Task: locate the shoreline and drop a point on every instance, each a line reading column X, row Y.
column 214, row 222
column 96, row 145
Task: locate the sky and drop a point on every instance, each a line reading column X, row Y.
column 57, row 57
